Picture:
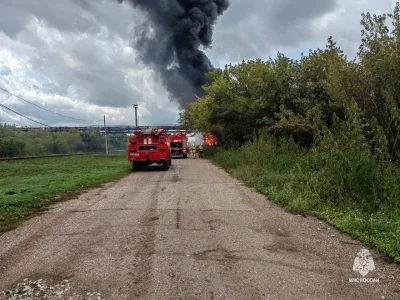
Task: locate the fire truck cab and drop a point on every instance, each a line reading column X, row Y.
column 149, row 146
column 179, row 144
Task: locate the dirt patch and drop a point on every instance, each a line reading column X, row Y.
column 219, row 254
column 285, row 245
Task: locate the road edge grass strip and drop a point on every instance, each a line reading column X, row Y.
column 375, row 230
column 13, row 221
column 10, row 220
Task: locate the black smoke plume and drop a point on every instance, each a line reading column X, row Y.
column 171, row 40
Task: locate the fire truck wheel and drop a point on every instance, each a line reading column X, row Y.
column 136, row 166
column 165, row 166
column 184, row 155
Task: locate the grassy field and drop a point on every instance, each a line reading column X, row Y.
column 26, row 186
column 290, row 180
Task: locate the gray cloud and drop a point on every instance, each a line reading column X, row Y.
column 5, row 70
column 255, row 28
column 74, row 55
column 65, row 15
column 85, row 57
column 289, row 12
column 15, row 15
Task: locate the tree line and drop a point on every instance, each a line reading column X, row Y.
column 16, row 142
column 320, row 93
column 339, row 117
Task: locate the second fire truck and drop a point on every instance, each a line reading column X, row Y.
column 179, row 144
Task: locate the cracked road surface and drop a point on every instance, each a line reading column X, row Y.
column 192, row 232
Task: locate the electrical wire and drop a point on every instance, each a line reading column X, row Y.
column 20, row 98
column 1, row 105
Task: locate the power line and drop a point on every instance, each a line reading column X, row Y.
column 23, row 115
column 3, row 89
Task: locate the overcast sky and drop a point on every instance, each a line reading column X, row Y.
column 73, row 57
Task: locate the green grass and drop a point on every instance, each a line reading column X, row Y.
column 293, row 179
column 26, row 186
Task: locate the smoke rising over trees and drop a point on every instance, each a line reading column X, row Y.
column 170, row 42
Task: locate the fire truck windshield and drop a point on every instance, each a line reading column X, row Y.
column 176, row 145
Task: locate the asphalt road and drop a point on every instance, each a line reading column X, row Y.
column 192, row 232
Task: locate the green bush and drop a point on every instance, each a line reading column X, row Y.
column 352, row 190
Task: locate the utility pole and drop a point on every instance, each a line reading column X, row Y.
column 105, row 134
column 136, row 116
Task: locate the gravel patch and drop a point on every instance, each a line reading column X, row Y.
column 42, row 289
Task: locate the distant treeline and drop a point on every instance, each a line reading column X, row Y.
column 15, row 142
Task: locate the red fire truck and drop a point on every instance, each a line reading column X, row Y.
column 149, row 146
column 179, row 144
